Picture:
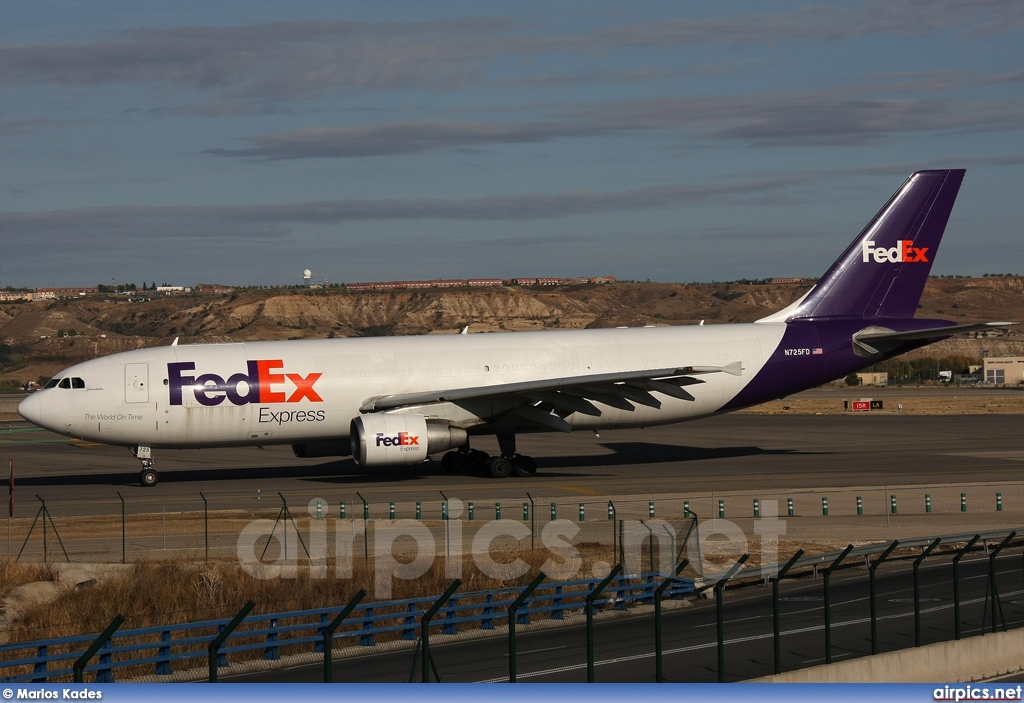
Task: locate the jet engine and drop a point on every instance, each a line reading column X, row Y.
column 379, row 439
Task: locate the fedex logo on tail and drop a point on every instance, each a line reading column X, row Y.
column 262, row 384
column 903, row 252
column 402, row 439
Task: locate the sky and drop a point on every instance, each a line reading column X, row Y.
column 243, row 142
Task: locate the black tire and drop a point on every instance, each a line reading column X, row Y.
column 478, row 459
column 148, row 478
column 454, row 462
column 499, row 467
column 523, row 465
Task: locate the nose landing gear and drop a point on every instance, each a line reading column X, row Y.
column 148, row 476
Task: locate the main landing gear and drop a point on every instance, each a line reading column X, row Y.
column 508, row 463
column 148, row 476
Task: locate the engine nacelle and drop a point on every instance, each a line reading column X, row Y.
column 379, row 439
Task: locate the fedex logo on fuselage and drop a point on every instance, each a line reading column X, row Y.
column 903, row 252
column 402, row 439
column 262, row 384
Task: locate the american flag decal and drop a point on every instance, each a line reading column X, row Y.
column 816, row 350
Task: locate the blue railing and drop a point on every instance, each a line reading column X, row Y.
column 168, row 647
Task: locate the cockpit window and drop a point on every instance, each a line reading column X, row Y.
column 64, row 383
column 77, row 383
column 52, row 383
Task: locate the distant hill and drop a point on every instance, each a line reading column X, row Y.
column 97, row 326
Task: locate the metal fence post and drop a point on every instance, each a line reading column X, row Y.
column 874, row 604
column 775, row 608
column 658, row 592
column 826, row 575
column 80, row 663
column 720, row 613
column 591, row 597
column 329, row 633
column 214, row 646
column 917, row 590
column 956, row 583
column 124, row 535
column 996, row 605
column 206, row 527
column 425, row 630
column 512, row 610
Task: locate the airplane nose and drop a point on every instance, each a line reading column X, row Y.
column 31, row 408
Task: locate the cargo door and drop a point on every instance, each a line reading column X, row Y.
column 136, row 383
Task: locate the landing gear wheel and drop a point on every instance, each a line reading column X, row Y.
column 148, row 477
column 478, row 460
column 499, row 467
column 454, row 462
column 523, row 465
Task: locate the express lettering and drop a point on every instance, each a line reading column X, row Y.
column 268, row 416
column 260, row 385
column 903, row 252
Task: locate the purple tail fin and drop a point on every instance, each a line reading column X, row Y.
column 883, row 273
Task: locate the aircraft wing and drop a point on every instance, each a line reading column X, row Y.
column 547, row 401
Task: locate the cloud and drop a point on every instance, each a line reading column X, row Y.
column 10, row 128
column 404, row 138
column 279, row 60
column 241, row 225
column 289, row 60
column 834, row 117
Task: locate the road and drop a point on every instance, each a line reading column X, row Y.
column 625, row 645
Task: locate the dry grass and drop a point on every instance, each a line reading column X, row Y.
column 173, row 591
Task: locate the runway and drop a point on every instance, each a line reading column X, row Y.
column 738, row 453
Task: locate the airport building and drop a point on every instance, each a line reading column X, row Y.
column 879, row 378
column 1003, row 370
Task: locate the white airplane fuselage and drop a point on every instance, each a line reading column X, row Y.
column 127, row 397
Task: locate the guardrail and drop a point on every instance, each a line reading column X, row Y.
column 768, row 571
column 170, row 647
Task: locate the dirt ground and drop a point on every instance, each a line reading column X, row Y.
column 910, row 405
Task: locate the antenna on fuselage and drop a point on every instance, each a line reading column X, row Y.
column 175, row 342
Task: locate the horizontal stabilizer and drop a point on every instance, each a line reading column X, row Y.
column 877, row 340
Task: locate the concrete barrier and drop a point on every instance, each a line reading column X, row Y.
column 971, row 659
